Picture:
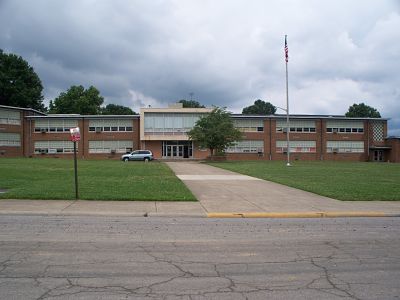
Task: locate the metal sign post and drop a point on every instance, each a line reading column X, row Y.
column 75, row 136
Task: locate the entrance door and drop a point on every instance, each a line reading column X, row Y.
column 177, row 149
column 378, row 155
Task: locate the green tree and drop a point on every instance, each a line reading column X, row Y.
column 114, row 109
column 362, row 111
column 259, row 108
column 191, row 104
column 20, row 86
column 77, row 100
column 215, row 131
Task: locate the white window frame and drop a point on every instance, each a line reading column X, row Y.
column 8, row 139
column 296, row 146
column 246, row 146
column 120, row 146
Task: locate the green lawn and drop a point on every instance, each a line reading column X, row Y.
column 41, row 178
column 339, row 180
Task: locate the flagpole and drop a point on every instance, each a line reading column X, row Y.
column 287, row 105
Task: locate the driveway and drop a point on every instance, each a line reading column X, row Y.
column 222, row 191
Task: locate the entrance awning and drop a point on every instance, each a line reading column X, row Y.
column 380, row 148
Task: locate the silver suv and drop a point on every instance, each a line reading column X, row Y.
column 145, row 155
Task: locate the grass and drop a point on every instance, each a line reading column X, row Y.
column 41, row 178
column 338, row 180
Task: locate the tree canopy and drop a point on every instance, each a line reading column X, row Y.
column 215, row 131
column 77, row 100
column 191, row 104
column 114, row 109
column 20, row 86
column 259, row 107
column 362, row 111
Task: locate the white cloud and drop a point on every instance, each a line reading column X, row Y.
column 227, row 52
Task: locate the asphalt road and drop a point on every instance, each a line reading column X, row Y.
column 49, row 257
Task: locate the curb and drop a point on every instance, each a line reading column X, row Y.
column 338, row 214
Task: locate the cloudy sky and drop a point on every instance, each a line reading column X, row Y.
column 224, row 52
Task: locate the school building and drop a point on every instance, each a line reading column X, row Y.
column 26, row 132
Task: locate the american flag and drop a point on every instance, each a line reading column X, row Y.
column 286, row 50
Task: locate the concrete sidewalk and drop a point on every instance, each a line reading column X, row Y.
column 220, row 193
column 102, row 208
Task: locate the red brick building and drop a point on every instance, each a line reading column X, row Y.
column 26, row 132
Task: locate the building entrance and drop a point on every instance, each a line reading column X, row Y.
column 177, row 149
column 378, row 155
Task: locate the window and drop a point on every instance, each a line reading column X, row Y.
column 54, row 125
column 378, row 131
column 10, row 117
column 296, row 146
column 249, row 125
column 247, row 146
column 344, row 147
column 344, row 126
column 298, row 126
column 170, row 123
column 10, row 139
column 116, row 125
column 54, row 147
column 110, row 146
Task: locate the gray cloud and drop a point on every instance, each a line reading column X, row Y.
column 228, row 53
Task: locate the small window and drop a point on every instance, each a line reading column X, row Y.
column 348, row 129
column 121, row 128
column 128, row 128
column 260, row 128
column 114, row 128
column 107, row 128
column 92, row 129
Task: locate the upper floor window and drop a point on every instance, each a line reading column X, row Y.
column 344, row 126
column 117, row 125
column 378, row 131
column 249, row 125
column 306, row 126
column 54, row 125
column 170, row 123
column 10, row 117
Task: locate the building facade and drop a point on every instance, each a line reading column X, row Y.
column 29, row 133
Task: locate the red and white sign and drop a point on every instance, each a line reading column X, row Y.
column 75, row 134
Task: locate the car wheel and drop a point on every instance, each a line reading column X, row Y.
column 126, row 159
column 146, row 159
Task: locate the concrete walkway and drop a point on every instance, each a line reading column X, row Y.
column 221, row 191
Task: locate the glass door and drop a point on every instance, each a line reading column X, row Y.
column 378, row 155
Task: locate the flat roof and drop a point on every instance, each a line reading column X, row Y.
column 78, row 116
column 297, row 116
column 22, row 108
